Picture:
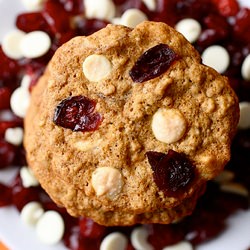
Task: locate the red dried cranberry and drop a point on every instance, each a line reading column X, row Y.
column 4, row 98
column 32, row 21
column 74, row 7
column 90, row 229
column 85, row 27
column 209, row 37
column 160, row 236
column 56, row 16
column 7, row 153
column 227, row 7
column 77, row 114
column 5, row 195
column 152, row 63
column 172, row 171
column 21, row 195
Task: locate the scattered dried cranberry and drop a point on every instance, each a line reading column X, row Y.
column 172, row 171
column 153, row 63
column 90, row 229
column 7, row 154
column 77, row 114
column 5, row 195
column 4, row 98
column 227, row 7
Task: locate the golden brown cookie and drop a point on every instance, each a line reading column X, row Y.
column 127, row 126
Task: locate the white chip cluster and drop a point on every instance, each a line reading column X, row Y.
column 17, row 44
column 49, row 226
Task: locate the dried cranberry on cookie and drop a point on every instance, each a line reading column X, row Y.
column 127, row 125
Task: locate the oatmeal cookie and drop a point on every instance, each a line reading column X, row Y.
column 127, row 125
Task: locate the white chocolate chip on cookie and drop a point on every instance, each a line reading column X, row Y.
column 108, row 181
column 96, row 67
column 168, row 125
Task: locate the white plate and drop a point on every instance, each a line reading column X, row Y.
column 20, row 237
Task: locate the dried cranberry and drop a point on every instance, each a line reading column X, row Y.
column 74, row 7
column 21, row 195
column 227, row 7
column 90, row 229
column 160, row 236
column 77, row 114
column 7, row 153
column 152, row 63
column 85, row 27
column 32, row 21
column 5, row 195
column 56, row 16
column 172, row 171
column 4, row 98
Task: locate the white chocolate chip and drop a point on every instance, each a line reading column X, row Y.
column 19, row 101
column 216, row 57
column 245, row 68
column 139, row 239
column 189, row 28
column 96, row 67
column 132, row 17
column 26, row 80
column 114, row 241
column 168, row 125
column 183, row 245
column 31, row 213
column 150, row 4
column 244, row 122
column 50, row 228
column 28, row 178
column 35, row 44
column 104, row 9
column 235, row 188
column 14, row 136
column 108, row 181
column 33, row 5
column 11, row 44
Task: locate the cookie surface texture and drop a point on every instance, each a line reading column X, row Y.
column 127, row 125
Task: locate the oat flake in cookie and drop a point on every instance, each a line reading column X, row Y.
column 126, row 126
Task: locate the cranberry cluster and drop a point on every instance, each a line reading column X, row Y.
column 223, row 22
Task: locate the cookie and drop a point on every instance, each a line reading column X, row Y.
column 127, row 125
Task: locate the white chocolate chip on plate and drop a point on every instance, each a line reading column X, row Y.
column 189, row 28
column 31, row 213
column 33, row 5
column 104, row 9
column 108, row 181
column 96, row 67
column 11, row 44
column 183, row 245
column 216, row 57
column 50, row 228
column 224, row 176
column 244, row 122
column 35, row 44
column 139, row 237
column 26, row 80
column 28, row 178
column 14, row 136
column 132, row 17
column 150, row 4
column 234, row 188
column 114, row 241
column 168, row 125
column 19, row 101
column 245, row 68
